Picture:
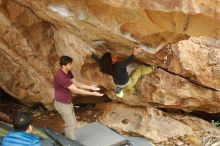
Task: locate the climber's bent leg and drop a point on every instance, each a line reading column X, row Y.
column 136, row 75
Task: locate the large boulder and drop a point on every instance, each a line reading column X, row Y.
column 180, row 37
column 156, row 125
column 36, row 33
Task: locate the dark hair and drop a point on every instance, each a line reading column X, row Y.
column 64, row 60
column 106, row 63
column 21, row 121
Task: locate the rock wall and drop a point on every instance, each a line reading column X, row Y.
column 159, row 127
column 180, row 37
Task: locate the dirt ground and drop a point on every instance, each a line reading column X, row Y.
column 50, row 119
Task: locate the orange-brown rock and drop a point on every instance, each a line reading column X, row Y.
column 155, row 124
column 162, row 89
column 33, row 36
column 26, row 54
column 180, row 37
column 197, row 59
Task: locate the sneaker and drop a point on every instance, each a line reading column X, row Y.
column 120, row 95
column 118, row 92
column 154, row 68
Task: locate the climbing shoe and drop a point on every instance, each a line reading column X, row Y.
column 154, row 68
column 118, row 92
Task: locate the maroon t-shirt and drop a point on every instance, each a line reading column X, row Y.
column 61, row 83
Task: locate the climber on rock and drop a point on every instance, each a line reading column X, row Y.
column 110, row 65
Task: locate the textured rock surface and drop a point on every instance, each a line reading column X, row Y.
column 148, row 122
column 171, row 90
column 26, row 48
column 181, row 37
column 155, row 124
column 197, row 59
column 42, row 35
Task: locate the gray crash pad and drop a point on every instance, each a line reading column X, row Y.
column 63, row 141
column 139, row 141
column 96, row 134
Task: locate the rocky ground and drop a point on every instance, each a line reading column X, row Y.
column 87, row 113
column 180, row 37
column 50, row 119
